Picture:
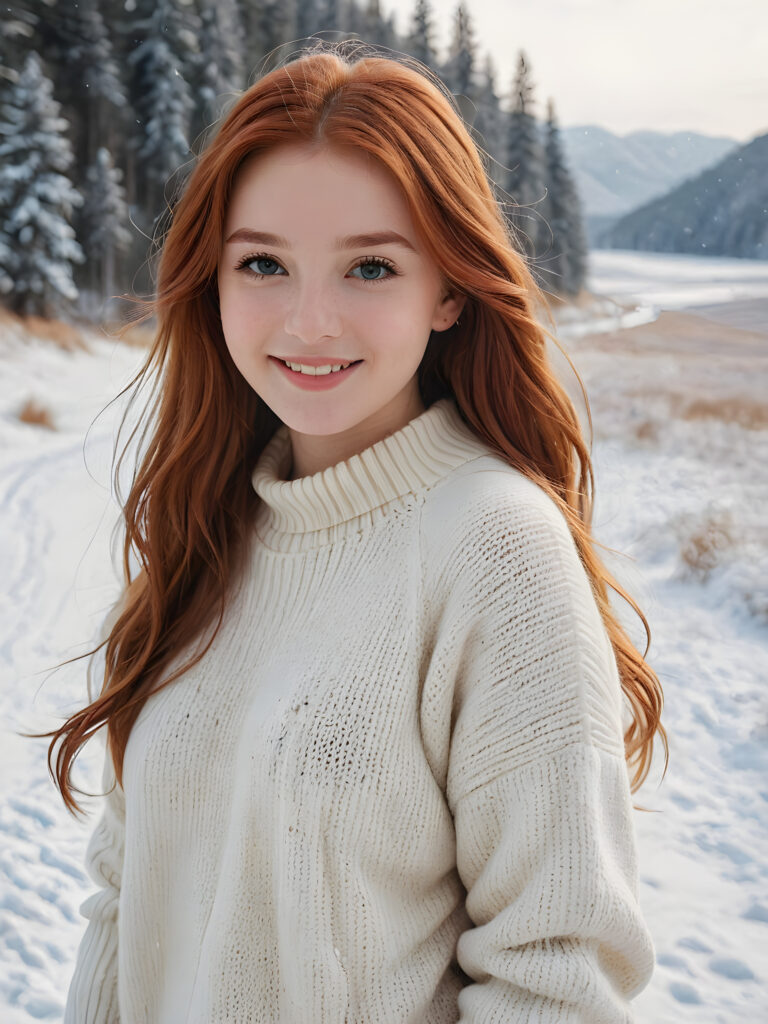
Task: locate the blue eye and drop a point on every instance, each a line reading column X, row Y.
column 271, row 271
column 259, row 259
column 377, row 264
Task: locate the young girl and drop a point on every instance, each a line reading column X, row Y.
column 364, row 693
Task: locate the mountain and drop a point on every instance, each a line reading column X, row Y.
column 721, row 212
column 617, row 173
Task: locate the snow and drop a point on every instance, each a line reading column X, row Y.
column 55, row 520
column 680, row 495
column 669, row 281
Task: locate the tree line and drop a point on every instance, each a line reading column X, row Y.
column 104, row 105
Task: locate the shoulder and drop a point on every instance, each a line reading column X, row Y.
column 509, row 584
column 488, row 518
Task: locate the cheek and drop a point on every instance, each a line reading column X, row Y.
column 404, row 319
column 240, row 319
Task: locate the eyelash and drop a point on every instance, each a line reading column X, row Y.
column 379, row 261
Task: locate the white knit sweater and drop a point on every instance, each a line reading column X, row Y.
column 403, row 752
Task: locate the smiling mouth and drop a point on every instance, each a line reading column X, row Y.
column 316, row 371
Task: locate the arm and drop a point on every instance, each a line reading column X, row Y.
column 92, row 996
column 538, row 786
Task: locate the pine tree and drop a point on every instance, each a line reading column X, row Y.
column 103, row 222
column 377, row 29
column 419, row 41
column 38, row 247
column 220, row 63
column 269, row 27
column 568, row 264
column 163, row 64
column 526, row 162
column 489, row 118
column 17, row 27
column 88, row 83
column 458, row 72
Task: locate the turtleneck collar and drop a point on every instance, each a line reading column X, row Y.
column 414, row 457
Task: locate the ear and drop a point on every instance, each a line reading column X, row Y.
column 448, row 309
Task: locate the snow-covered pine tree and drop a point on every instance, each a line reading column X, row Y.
column 458, row 71
column 163, row 63
column 488, row 123
column 38, row 247
column 102, row 222
column 419, row 41
column 17, row 28
column 269, row 26
column 87, row 81
column 119, row 121
column 18, row 31
column 220, row 61
column 567, row 265
column 526, row 162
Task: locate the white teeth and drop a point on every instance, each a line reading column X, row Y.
column 316, row 371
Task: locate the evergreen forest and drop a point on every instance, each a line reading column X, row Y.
column 104, row 105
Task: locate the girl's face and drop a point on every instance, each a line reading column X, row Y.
column 313, row 271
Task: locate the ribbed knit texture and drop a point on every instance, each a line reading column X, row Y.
column 401, row 759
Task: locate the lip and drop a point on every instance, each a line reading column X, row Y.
column 323, row 382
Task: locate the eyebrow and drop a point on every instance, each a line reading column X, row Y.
column 347, row 242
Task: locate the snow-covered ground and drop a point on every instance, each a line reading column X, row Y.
column 672, row 281
column 680, row 450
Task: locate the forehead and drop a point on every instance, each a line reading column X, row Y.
column 300, row 182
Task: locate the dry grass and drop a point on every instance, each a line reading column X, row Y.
column 36, row 415
column 647, row 430
column 743, row 410
column 739, row 409
column 700, row 551
column 70, row 337
column 63, row 335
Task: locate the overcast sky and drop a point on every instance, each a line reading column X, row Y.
column 664, row 65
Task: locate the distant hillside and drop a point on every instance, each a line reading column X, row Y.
column 721, row 212
column 615, row 173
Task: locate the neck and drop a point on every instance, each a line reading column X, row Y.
column 313, row 453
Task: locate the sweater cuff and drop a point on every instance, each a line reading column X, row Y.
column 92, row 997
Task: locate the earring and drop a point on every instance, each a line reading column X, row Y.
column 456, row 324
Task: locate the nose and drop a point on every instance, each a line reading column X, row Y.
column 312, row 315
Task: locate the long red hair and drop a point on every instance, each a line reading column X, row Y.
column 191, row 504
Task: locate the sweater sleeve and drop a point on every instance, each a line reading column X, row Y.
column 92, row 996
column 539, row 788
